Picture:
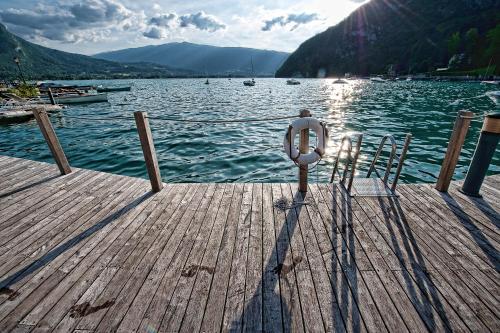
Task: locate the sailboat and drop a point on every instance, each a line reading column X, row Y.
column 250, row 83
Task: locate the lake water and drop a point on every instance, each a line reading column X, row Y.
column 252, row 152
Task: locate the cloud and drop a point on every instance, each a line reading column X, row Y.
column 158, row 25
column 83, row 20
column 162, row 20
column 201, row 21
column 295, row 19
column 155, row 33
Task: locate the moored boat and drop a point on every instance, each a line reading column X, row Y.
column 83, row 98
column 340, row 81
column 249, row 83
column 494, row 96
column 496, row 83
column 292, row 82
column 113, row 88
column 377, row 79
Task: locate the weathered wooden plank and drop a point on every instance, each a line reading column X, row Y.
column 377, row 252
column 173, row 280
column 164, row 202
column 68, row 291
column 193, row 315
column 459, row 226
column 138, row 265
column 16, row 212
column 148, row 291
column 214, row 309
column 330, row 311
column 291, row 309
column 159, row 256
column 408, row 227
column 332, row 244
column 271, row 291
column 31, row 186
column 37, row 243
column 60, row 265
column 348, row 261
column 252, row 313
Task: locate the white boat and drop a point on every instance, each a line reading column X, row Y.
column 496, row 83
column 292, row 82
column 340, row 81
column 83, row 98
column 409, row 78
column 377, row 79
column 494, row 96
column 250, row 83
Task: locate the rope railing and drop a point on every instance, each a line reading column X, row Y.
column 183, row 120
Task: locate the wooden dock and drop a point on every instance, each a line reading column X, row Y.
column 95, row 252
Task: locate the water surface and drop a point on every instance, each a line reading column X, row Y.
column 252, row 152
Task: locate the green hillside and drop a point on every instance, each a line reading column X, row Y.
column 39, row 63
column 411, row 36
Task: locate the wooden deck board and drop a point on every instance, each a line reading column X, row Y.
column 95, row 252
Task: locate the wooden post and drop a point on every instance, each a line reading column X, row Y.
column 303, row 149
column 51, row 97
column 148, row 149
column 455, row 144
column 51, row 138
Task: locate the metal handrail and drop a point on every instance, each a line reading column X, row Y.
column 351, row 160
column 400, row 159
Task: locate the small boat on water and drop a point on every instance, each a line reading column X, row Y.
column 102, row 88
column 292, row 82
column 249, row 83
column 377, row 79
column 81, row 98
column 206, row 82
column 494, row 96
column 340, row 81
column 496, row 83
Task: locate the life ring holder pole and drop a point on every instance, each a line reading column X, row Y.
column 303, row 149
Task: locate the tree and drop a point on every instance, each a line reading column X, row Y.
column 471, row 39
column 493, row 37
column 454, row 43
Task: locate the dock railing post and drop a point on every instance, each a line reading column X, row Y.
column 148, row 149
column 52, row 141
column 51, row 97
column 455, row 144
column 303, row 149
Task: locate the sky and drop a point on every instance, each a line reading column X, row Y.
column 93, row 26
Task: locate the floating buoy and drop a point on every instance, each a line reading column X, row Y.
column 298, row 125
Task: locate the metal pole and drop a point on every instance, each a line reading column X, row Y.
column 485, row 149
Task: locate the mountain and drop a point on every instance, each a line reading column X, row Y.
column 41, row 63
column 406, row 36
column 207, row 59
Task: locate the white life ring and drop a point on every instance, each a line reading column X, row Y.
column 305, row 123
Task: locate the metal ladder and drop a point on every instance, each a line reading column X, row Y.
column 351, row 160
column 369, row 186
